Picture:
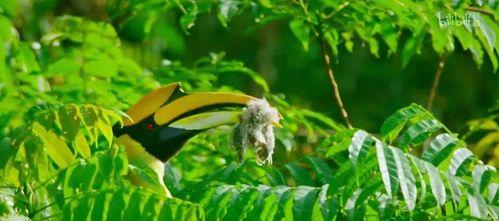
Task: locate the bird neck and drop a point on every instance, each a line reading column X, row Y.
column 135, row 151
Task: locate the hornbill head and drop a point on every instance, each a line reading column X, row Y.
column 163, row 120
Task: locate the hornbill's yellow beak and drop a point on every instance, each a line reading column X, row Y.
column 163, row 120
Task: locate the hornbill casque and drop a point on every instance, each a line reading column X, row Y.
column 162, row 121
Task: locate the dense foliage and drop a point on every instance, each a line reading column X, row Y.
column 66, row 81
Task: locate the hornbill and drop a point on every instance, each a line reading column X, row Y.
column 162, row 121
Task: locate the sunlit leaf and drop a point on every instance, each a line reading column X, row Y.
column 440, row 148
column 387, row 168
column 406, row 178
column 301, row 30
column 395, row 123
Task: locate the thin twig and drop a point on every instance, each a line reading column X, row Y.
column 307, row 16
column 329, row 72
column 341, row 7
column 436, row 81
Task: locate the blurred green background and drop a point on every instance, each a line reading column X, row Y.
column 372, row 88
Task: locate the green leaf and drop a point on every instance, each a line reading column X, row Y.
column 81, row 145
column 454, row 187
column 129, row 203
column 8, row 172
column 69, row 121
column 478, row 206
column 241, row 203
column 172, row 178
column 419, row 132
column 333, row 40
column 342, row 175
column 487, row 31
column 358, row 199
column 221, row 198
column 275, row 176
column 354, row 212
column 440, row 148
column 55, row 147
column 104, row 67
column 389, row 33
column 396, row 122
column 482, row 175
column 385, row 208
column 493, row 192
column 469, row 42
column 266, row 3
column 80, row 212
column 304, row 201
column 441, row 40
column 459, row 158
column 419, row 168
column 322, row 170
column 106, row 130
column 387, row 168
column 134, row 208
column 187, row 21
column 137, row 27
column 117, row 205
column 358, row 149
column 265, row 206
column 301, row 31
column 299, row 174
column 366, row 34
column 7, row 29
column 406, row 178
column 146, row 174
column 25, row 60
column 227, row 9
column 412, row 45
column 436, row 183
column 329, row 206
column 285, row 202
column 63, row 66
column 487, row 37
column 100, row 207
column 323, row 119
column 16, row 217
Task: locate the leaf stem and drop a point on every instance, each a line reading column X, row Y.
column 339, row 8
column 308, row 18
column 329, row 72
column 436, row 81
column 480, row 10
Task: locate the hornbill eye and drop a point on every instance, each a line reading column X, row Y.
column 150, row 127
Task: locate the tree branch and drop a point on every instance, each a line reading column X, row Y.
column 436, row 80
column 329, row 72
